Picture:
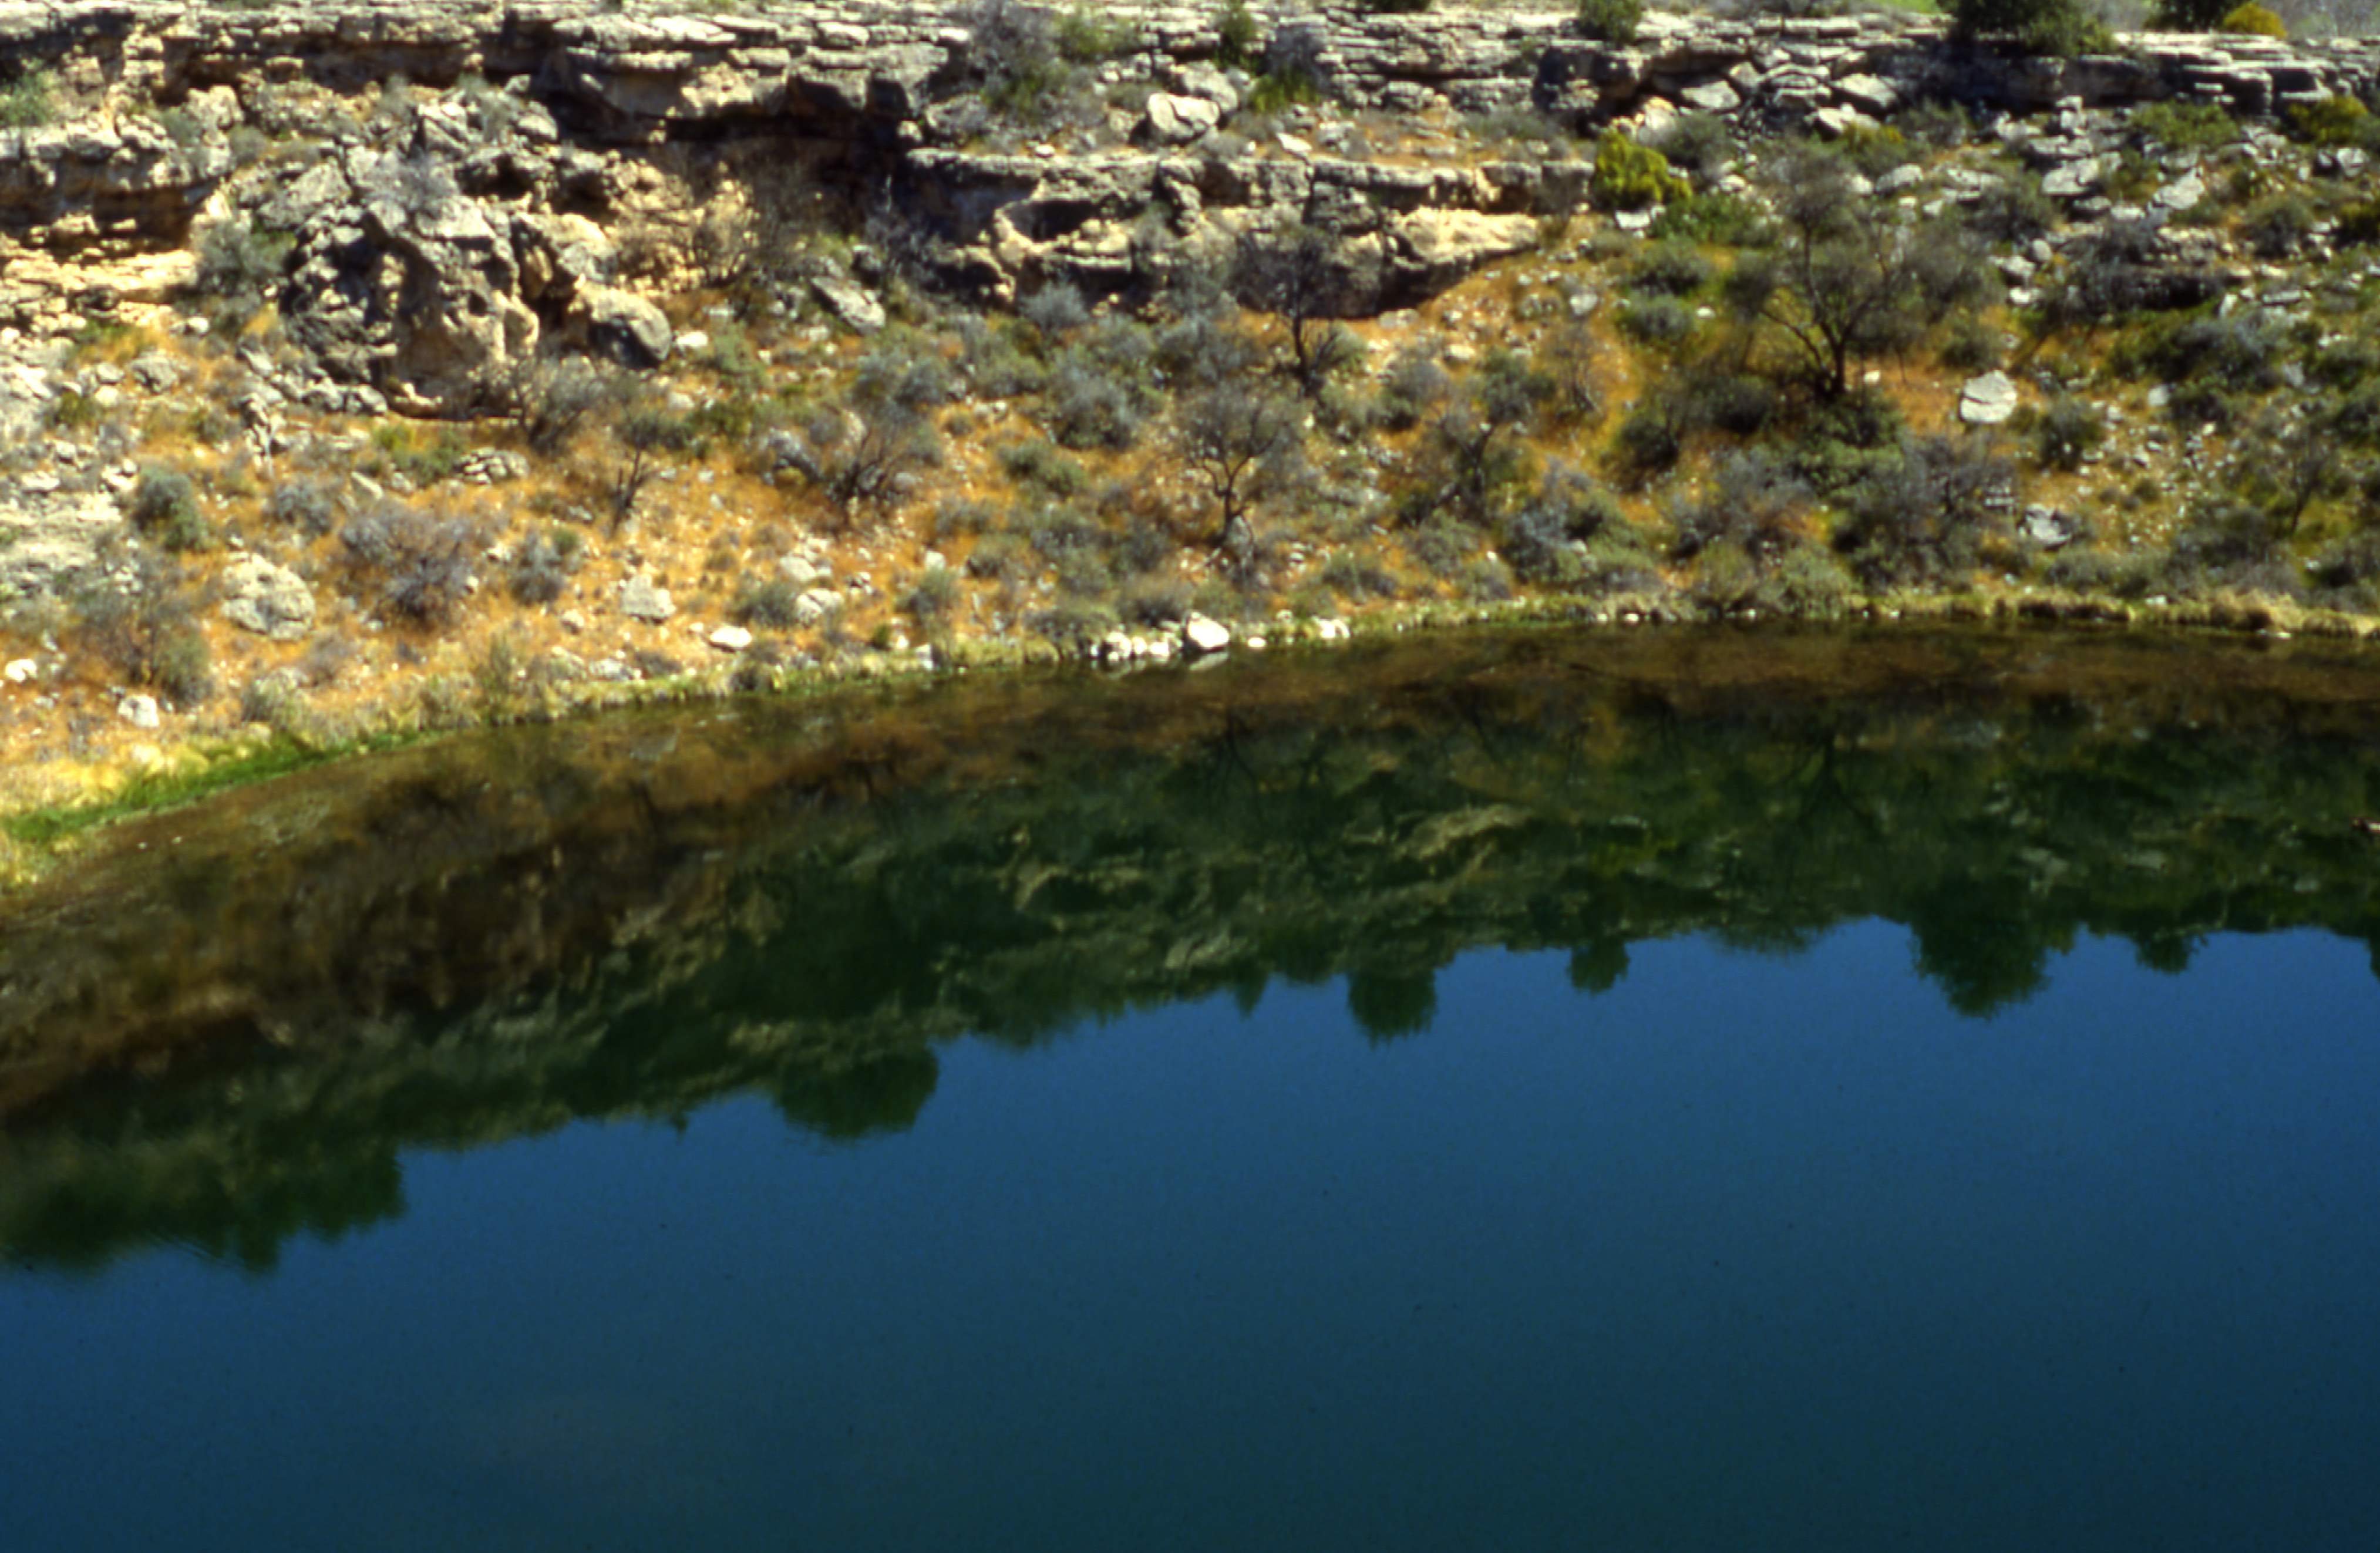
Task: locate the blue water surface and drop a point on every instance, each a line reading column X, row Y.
column 1745, row 1253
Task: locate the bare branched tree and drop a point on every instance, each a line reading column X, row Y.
column 1301, row 276
column 1234, row 439
column 1845, row 278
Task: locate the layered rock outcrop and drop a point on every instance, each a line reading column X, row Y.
column 421, row 261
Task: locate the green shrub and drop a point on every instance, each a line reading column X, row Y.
column 1657, row 321
column 185, row 669
column 1611, row 22
column 165, row 507
column 1040, row 464
column 1003, row 556
column 1671, row 268
column 30, row 101
column 769, row 602
column 2254, row 20
column 1236, row 31
column 2332, row 121
column 2359, row 223
column 1739, row 403
column 73, row 411
column 2084, row 570
column 308, row 506
column 2186, row 125
column 541, row 566
column 1358, row 575
column 1088, row 37
column 1651, row 436
column 1073, row 624
column 2055, row 27
column 239, row 271
column 1805, row 584
column 1754, row 502
column 2011, row 210
column 933, row 597
column 423, row 559
column 1724, row 220
column 1618, row 560
column 1969, row 345
column 2067, row 432
column 1876, row 152
column 1278, row 89
column 2275, row 227
column 147, row 630
column 1925, row 515
column 1014, row 49
column 1629, row 176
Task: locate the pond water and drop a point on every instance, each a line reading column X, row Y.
column 1734, row 1093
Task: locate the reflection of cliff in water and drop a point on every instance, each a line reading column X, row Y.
column 220, row 1027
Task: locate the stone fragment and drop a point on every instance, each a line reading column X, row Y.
column 1836, row 123
column 850, row 302
column 624, row 326
column 2072, row 180
column 1987, row 400
column 731, row 639
column 1168, row 120
column 640, row 600
column 2048, row 527
column 139, row 711
column 1711, row 97
column 1201, row 636
column 268, row 600
column 1868, row 94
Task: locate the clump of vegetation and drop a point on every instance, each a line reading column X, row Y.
column 1630, row 176
column 165, row 506
column 2185, row 126
column 1293, row 73
column 540, row 565
column 1611, row 22
column 147, row 630
column 2052, row 27
column 239, row 271
column 29, row 100
column 1236, row 30
column 1927, row 515
column 2335, row 120
column 2254, row 21
column 310, row 506
column 2069, row 430
column 421, row 557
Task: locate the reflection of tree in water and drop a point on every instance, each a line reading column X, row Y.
column 880, row 1095
column 1386, row 1004
column 1599, row 967
column 476, row 960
